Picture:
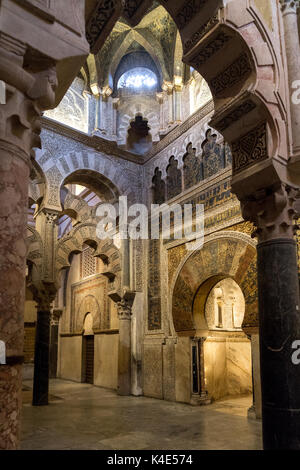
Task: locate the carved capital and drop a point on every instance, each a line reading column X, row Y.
column 44, row 295
column 289, row 6
column 273, row 212
column 51, row 217
column 124, row 310
column 55, row 316
column 30, row 82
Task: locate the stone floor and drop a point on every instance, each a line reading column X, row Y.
column 81, row 416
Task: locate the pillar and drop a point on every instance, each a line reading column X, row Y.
column 124, row 355
column 44, row 300
column 199, row 397
column 178, row 87
column 291, row 32
column 168, row 88
column 279, row 320
column 160, row 99
column 115, row 103
column 27, row 92
column 54, row 326
column 104, row 112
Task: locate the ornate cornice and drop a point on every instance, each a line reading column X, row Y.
column 111, row 148
column 95, row 142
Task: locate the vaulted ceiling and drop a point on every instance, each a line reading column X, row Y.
column 156, row 34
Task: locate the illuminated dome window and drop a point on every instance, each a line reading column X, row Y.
column 138, row 78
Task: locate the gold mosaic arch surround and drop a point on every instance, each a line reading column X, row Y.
column 229, row 254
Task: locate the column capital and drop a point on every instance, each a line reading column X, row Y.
column 168, row 87
column 55, row 316
column 116, row 102
column 30, row 82
column 50, row 216
column 273, row 212
column 289, row 6
column 124, row 309
column 44, row 296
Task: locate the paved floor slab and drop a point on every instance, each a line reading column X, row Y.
column 88, row 417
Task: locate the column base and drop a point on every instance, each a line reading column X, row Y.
column 251, row 414
column 200, row 400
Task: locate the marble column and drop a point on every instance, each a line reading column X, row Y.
column 291, row 32
column 27, row 92
column 160, row 99
column 115, row 104
column 124, row 355
column 54, row 326
column 273, row 214
column 202, row 397
column 178, row 103
column 44, row 300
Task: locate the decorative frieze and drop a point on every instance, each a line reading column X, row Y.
column 236, row 72
column 251, row 148
column 103, row 13
column 235, row 115
column 154, row 290
column 201, row 33
column 210, row 49
column 188, row 11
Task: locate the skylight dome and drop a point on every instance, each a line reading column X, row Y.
column 138, row 78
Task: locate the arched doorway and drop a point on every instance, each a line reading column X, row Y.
column 218, row 311
column 214, row 303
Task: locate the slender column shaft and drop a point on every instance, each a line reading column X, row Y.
column 171, row 106
column 273, row 214
column 124, row 368
column 41, row 359
column 279, row 318
column 202, row 387
column 178, row 104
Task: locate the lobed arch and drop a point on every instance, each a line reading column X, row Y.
column 225, row 255
column 131, row 113
column 106, row 250
column 195, row 139
column 37, row 184
column 35, row 249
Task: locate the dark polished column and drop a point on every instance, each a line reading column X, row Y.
column 279, row 317
column 199, row 397
column 42, row 349
column 54, row 326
